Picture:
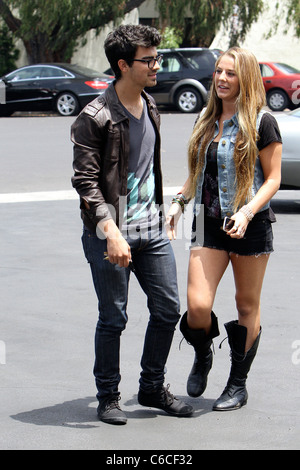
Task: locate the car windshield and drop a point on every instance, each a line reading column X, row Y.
column 287, row 68
column 86, row 71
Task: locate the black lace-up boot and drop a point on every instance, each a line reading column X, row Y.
column 201, row 342
column 164, row 400
column 235, row 394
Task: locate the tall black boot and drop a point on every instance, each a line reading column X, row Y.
column 201, row 342
column 235, row 394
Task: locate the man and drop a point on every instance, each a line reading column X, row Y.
column 117, row 175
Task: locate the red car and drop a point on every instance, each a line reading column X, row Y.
column 282, row 85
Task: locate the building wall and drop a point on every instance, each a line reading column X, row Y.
column 278, row 48
column 92, row 55
column 147, row 10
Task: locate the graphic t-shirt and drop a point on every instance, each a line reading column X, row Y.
column 141, row 212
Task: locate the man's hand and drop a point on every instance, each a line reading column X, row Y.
column 118, row 250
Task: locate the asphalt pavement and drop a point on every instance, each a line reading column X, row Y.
column 49, row 311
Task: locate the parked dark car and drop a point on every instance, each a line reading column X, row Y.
column 63, row 88
column 184, row 78
column 282, row 85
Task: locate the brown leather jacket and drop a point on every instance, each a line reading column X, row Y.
column 101, row 146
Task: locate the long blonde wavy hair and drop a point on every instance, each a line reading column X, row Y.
column 249, row 102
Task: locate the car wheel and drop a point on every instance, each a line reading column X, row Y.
column 277, row 100
column 188, row 100
column 67, row 104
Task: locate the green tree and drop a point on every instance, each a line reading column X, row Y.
column 206, row 16
column 51, row 29
column 171, row 38
column 289, row 11
column 8, row 51
column 293, row 15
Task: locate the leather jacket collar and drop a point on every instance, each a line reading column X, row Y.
column 117, row 112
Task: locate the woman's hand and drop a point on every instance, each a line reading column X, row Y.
column 172, row 218
column 240, row 225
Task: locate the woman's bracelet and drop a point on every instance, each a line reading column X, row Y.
column 246, row 210
column 181, row 200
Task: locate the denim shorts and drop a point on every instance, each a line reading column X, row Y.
column 258, row 238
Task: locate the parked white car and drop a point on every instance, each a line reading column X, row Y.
column 289, row 125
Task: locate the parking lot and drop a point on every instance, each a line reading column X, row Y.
column 49, row 311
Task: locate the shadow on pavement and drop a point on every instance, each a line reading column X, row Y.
column 73, row 414
column 80, row 414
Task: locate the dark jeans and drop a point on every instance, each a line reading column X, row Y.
column 155, row 269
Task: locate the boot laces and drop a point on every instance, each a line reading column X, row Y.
column 167, row 396
column 212, row 344
column 113, row 403
column 220, row 345
column 233, row 354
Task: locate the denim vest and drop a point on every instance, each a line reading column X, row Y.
column 226, row 169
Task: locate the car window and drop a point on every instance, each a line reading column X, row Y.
column 25, row 74
column 33, row 73
column 266, row 71
column 287, row 68
column 200, row 60
column 85, row 71
column 54, row 72
column 170, row 63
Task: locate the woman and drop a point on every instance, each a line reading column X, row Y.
column 234, row 170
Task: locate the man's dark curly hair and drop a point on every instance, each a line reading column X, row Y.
column 122, row 43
